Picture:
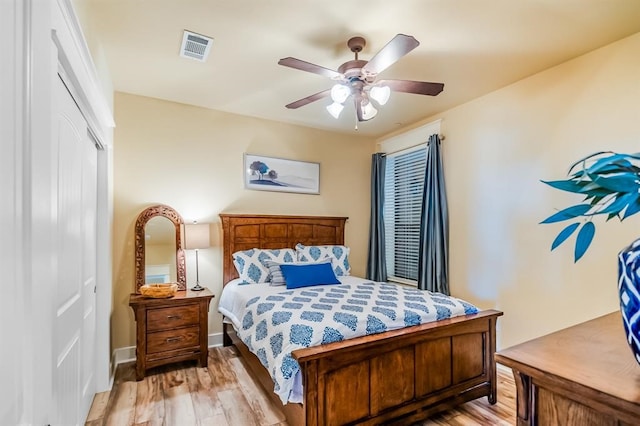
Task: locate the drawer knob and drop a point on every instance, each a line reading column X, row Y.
column 173, row 339
column 172, row 317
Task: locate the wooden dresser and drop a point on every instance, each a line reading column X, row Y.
column 582, row 375
column 171, row 330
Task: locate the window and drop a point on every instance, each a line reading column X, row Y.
column 404, row 185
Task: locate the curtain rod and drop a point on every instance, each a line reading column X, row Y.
column 384, row 154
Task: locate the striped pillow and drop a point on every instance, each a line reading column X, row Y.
column 277, row 278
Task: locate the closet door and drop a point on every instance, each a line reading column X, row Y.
column 74, row 296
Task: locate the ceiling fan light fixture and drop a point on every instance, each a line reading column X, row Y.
column 335, row 109
column 380, row 94
column 356, row 79
column 368, row 110
column 340, row 93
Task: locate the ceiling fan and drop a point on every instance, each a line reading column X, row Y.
column 357, row 78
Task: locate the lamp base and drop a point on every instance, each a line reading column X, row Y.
column 197, row 287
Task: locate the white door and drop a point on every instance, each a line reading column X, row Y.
column 74, row 296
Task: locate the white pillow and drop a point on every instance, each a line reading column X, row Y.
column 339, row 256
column 251, row 265
column 276, row 273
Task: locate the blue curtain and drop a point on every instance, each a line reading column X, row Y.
column 433, row 266
column 376, row 263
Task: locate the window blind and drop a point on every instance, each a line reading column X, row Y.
column 404, row 185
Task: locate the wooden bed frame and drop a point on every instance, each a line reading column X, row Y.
column 396, row 377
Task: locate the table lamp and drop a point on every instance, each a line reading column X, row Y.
column 196, row 237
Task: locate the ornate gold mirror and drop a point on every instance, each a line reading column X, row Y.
column 158, row 245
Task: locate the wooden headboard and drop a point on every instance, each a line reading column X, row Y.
column 244, row 232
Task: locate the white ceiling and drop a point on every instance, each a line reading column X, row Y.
column 472, row 46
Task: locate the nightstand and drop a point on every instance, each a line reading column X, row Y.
column 171, row 330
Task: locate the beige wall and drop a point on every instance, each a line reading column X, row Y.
column 81, row 8
column 192, row 159
column 496, row 151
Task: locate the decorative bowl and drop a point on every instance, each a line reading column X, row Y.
column 159, row 291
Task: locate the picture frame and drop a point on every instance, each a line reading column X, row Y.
column 262, row 173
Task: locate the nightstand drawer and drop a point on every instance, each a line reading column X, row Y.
column 179, row 316
column 171, row 340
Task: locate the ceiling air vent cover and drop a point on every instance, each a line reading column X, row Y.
column 195, row 46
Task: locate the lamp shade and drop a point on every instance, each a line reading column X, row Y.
column 196, row 236
column 340, row 93
column 368, row 110
column 380, row 94
column 335, row 109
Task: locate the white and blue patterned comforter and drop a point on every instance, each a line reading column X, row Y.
column 278, row 322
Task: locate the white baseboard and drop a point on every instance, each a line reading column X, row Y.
column 215, row 340
column 128, row 354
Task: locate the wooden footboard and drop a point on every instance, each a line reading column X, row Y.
column 400, row 376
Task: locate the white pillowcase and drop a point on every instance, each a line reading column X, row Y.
column 339, row 256
column 277, row 278
column 251, row 265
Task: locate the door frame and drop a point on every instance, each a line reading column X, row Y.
column 12, row 308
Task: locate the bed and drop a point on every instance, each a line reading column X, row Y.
column 394, row 377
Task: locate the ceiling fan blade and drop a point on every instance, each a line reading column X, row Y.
column 309, row 99
column 417, row 87
column 309, row 67
column 399, row 46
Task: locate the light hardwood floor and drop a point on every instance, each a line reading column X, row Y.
column 225, row 394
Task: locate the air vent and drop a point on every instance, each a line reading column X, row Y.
column 195, row 46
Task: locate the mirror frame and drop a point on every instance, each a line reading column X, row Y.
column 144, row 217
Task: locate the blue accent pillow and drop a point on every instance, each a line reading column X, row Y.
column 297, row 276
column 276, row 274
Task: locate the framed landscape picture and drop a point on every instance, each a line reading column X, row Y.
column 281, row 175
